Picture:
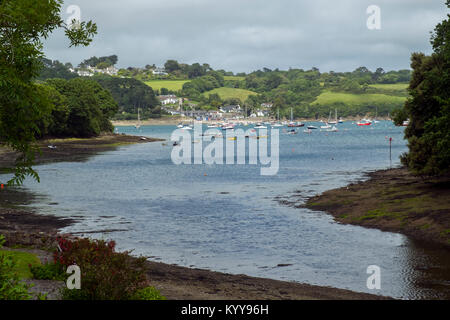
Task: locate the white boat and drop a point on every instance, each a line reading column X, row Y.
column 260, row 126
column 312, row 127
column 333, row 129
column 327, row 126
column 335, row 119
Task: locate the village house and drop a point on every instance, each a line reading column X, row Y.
column 168, row 99
column 231, row 109
column 160, row 72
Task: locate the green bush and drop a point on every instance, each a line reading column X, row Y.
column 48, row 271
column 148, row 293
column 10, row 286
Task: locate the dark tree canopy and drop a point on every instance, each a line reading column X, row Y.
column 129, row 93
column 428, row 108
column 24, row 25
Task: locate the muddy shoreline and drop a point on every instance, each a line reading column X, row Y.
column 25, row 228
column 393, row 200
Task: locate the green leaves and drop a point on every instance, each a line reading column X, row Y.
column 24, row 23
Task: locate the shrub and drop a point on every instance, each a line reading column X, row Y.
column 10, row 286
column 148, row 293
column 48, row 271
column 105, row 274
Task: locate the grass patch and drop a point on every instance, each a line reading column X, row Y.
column 172, row 85
column 23, row 260
column 329, row 97
column 228, row 93
column 390, row 87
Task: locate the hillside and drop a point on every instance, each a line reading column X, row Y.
column 171, row 85
column 329, row 97
column 228, row 93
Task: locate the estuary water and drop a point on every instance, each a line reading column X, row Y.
column 229, row 218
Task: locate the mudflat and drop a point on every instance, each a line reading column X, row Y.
column 393, row 200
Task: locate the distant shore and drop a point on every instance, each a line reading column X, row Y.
column 24, row 227
column 73, row 149
column 393, row 200
column 185, row 120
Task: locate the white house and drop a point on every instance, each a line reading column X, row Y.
column 168, row 99
column 85, row 73
column 160, row 72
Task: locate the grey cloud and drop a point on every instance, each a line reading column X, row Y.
column 250, row 34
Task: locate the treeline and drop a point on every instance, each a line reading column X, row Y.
column 131, row 95
column 298, row 89
column 428, row 108
column 101, row 62
column 55, row 69
column 193, row 89
column 76, row 108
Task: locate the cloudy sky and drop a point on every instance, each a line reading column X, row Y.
column 246, row 35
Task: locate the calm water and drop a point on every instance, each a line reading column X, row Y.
column 228, row 217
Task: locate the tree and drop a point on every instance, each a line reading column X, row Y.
column 171, row 66
column 428, row 108
column 24, row 25
column 90, row 106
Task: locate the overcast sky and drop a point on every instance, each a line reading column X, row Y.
column 246, row 35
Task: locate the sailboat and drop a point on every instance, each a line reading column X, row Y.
column 335, row 119
column 138, row 124
column 277, row 124
column 376, row 115
column 327, row 126
column 293, row 124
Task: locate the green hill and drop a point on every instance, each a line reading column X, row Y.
column 228, row 93
column 329, row 97
column 172, row 85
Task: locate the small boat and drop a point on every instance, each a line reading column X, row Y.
column 180, row 125
column 327, row 126
column 293, row 131
column 296, row 125
column 333, row 129
column 309, row 131
column 260, row 127
column 186, row 128
column 312, row 127
column 364, row 122
column 276, row 125
column 228, row 127
column 213, row 125
column 405, row 123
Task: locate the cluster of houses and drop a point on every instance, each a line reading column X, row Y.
column 90, row 71
column 172, row 105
